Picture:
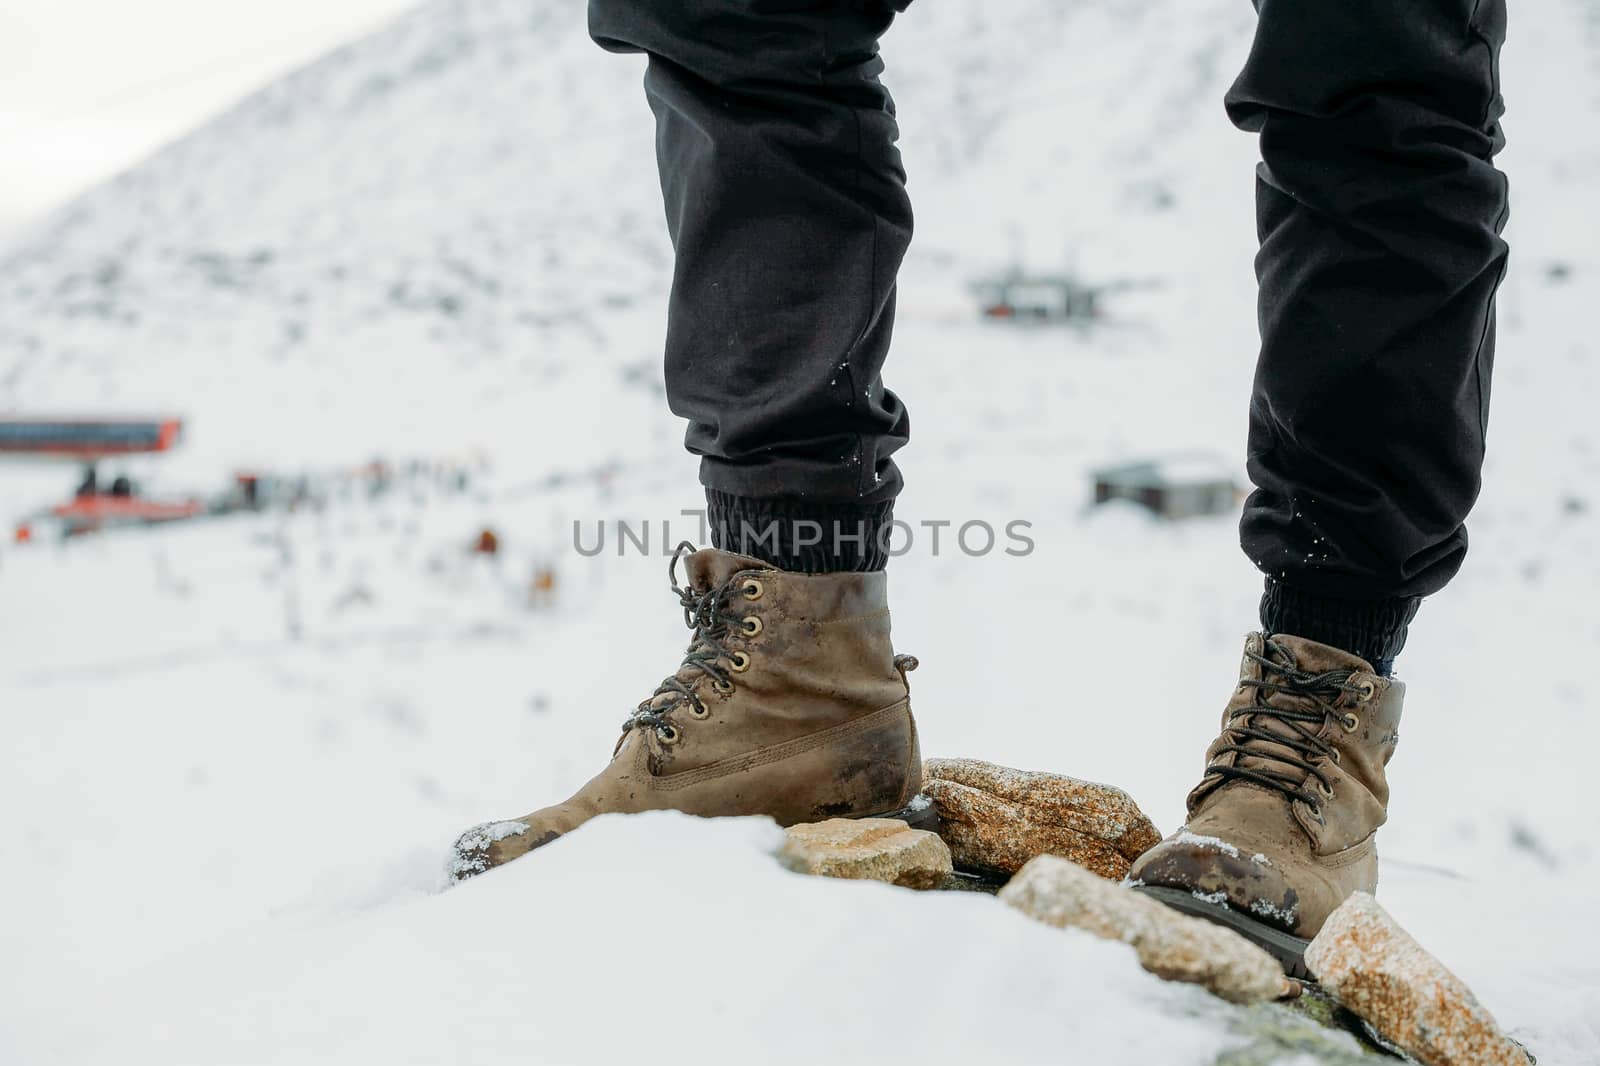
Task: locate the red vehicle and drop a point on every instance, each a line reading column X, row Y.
column 97, row 505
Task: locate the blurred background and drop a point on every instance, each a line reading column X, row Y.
column 322, row 325
column 89, row 88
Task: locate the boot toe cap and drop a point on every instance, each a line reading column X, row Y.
column 492, row 844
column 1218, row 871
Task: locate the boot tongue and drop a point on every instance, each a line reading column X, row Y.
column 1316, row 658
column 711, row 568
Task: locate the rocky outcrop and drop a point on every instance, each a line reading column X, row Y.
column 1380, row 973
column 996, row 819
column 1170, row 945
column 873, row 849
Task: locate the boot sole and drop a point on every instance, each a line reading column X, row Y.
column 1288, row 949
column 920, row 813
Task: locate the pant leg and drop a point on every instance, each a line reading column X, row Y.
column 786, row 203
column 1379, row 212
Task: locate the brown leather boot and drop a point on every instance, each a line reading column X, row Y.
column 790, row 702
column 1281, row 828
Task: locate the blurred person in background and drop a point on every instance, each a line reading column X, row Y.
column 1379, row 213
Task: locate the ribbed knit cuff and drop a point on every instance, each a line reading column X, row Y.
column 802, row 536
column 1373, row 629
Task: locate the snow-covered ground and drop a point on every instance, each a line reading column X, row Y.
column 232, row 754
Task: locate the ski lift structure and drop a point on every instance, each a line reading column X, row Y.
column 101, row 503
column 1061, row 296
column 1048, row 298
column 97, row 503
column 1021, row 297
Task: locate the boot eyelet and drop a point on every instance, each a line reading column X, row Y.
column 1334, row 755
column 753, row 589
column 1327, row 793
column 752, row 626
column 724, row 687
column 699, row 711
column 667, row 733
column 1351, row 722
column 1365, row 691
column 740, row 663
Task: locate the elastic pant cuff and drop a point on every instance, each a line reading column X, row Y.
column 1373, row 629
column 802, row 536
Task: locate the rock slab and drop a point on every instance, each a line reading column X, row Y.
column 873, row 849
column 1380, row 973
column 1170, row 945
column 996, row 819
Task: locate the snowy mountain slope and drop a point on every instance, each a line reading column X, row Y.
column 230, row 754
column 408, row 211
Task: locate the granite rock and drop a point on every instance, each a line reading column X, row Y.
column 996, row 819
column 1169, row 944
column 874, row 849
column 1374, row 967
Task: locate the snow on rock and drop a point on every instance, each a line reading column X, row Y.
column 996, row 819
column 1169, row 944
column 873, row 849
column 1380, row 972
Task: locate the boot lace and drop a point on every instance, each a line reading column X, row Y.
column 1305, row 702
column 710, row 616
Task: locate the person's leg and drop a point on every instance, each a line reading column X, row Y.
column 1379, row 212
column 787, row 208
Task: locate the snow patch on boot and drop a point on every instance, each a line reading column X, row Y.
column 1184, row 836
column 1210, row 843
column 471, row 852
column 1265, row 908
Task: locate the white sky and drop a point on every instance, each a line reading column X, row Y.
column 89, row 87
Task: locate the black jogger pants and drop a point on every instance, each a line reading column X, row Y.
column 1379, row 214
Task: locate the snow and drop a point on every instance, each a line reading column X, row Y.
column 1268, row 909
column 233, row 754
column 732, row 953
column 464, row 859
column 1210, row 843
